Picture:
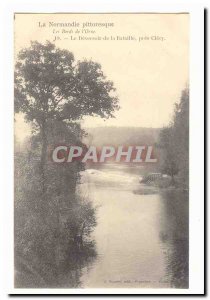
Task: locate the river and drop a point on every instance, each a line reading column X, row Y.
column 141, row 240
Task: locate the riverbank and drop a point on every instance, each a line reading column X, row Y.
column 159, row 185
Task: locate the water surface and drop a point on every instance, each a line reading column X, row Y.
column 141, row 240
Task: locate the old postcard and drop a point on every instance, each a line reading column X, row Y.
column 101, row 150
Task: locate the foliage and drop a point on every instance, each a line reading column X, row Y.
column 174, row 142
column 52, row 222
column 50, row 85
column 44, row 237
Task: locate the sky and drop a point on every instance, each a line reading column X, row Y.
column 149, row 71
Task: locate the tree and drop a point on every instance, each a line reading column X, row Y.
column 54, row 92
column 51, row 86
column 181, row 135
column 174, row 141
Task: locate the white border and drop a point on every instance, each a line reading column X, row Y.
column 196, row 132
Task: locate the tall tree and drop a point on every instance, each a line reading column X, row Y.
column 51, row 85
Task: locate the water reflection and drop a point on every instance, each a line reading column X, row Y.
column 70, row 270
column 174, row 234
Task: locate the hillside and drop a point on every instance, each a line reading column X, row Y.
column 116, row 136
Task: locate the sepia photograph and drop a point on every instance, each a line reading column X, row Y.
column 101, row 150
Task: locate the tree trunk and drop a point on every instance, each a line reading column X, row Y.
column 43, row 154
column 172, row 180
